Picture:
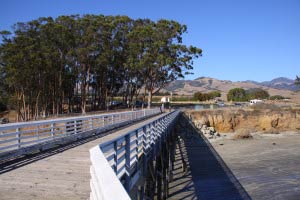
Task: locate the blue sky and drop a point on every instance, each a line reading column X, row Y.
column 241, row 39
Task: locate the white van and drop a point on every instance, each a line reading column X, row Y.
column 255, row 101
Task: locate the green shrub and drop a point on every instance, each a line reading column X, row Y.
column 257, row 93
column 206, row 96
column 277, row 97
column 237, row 94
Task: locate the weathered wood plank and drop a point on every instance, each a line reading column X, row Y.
column 65, row 175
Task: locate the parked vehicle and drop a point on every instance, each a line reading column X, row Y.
column 221, row 104
column 139, row 104
column 255, row 101
column 115, row 103
column 4, row 120
column 238, row 104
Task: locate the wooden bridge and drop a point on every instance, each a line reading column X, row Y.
column 127, row 155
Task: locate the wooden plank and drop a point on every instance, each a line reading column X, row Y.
column 65, row 175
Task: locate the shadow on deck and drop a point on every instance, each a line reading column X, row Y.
column 199, row 172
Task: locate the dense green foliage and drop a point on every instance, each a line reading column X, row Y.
column 277, row 97
column 257, row 93
column 51, row 66
column 237, row 94
column 206, row 96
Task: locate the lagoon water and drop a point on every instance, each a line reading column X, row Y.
column 196, row 107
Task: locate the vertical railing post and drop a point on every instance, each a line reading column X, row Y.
column 75, row 127
column 19, row 137
column 52, row 129
column 127, row 162
column 37, row 132
column 90, row 120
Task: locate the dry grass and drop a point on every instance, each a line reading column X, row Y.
column 264, row 106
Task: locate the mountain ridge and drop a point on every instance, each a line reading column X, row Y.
column 277, row 86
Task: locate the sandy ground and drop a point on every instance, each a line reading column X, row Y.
column 267, row 166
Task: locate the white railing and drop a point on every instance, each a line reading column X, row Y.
column 120, row 157
column 16, row 136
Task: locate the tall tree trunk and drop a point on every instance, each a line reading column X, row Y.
column 37, row 105
column 24, row 107
column 149, row 98
column 85, row 88
column 150, row 93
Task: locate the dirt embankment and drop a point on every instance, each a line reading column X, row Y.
column 256, row 120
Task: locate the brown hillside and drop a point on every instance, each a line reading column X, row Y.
column 206, row 84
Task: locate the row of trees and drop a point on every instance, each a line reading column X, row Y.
column 49, row 65
column 239, row 94
column 206, row 96
column 278, row 97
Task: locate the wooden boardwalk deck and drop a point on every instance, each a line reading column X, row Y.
column 63, row 173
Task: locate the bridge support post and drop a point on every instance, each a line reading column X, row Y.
column 158, row 167
column 140, row 193
column 158, row 173
column 166, row 169
column 150, row 179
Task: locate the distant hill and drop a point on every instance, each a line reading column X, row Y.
column 279, row 86
column 281, row 83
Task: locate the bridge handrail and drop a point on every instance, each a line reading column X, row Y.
column 18, row 135
column 120, row 157
column 64, row 119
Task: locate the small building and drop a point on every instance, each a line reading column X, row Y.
column 255, row 101
column 165, row 100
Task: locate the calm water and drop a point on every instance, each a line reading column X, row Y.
column 197, row 107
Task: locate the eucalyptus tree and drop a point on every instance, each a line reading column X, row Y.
column 34, row 66
column 3, row 88
column 115, row 55
column 87, row 49
column 90, row 57
column 160, row 53
column 125, row 53
column 173, row 59
column 22, row 57
column 66, row 44
column 102, row 57
column 61, row 38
